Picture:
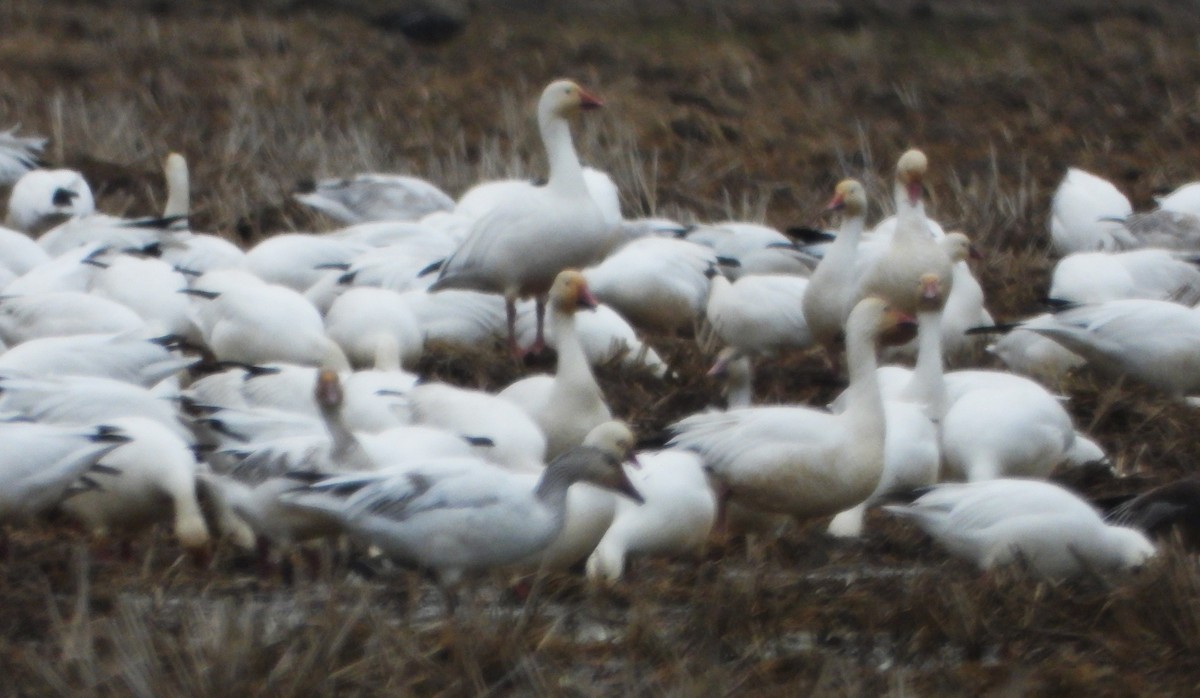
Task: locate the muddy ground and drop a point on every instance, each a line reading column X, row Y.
column 714, row 110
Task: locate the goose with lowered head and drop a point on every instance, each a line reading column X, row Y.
column 519, row 247
column 798, row 460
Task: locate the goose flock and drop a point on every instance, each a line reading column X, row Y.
column 147, row 369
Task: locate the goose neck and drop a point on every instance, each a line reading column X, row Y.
column 928, row 383
column 573, row 367
column 566, row 173
column 863, row 393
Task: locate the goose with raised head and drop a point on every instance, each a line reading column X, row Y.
column 18, row 155
column 461, row 522
column 520, row 246
column 375, row 197
column 1050, row 529
column 833, row 284
column 913, row 251
column 567, row 405
column 799, row 460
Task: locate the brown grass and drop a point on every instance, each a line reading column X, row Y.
column 718, row 109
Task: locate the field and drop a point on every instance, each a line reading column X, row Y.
column 714, row 110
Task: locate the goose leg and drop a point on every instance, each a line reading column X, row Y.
column 510, row 309
column 539, row 341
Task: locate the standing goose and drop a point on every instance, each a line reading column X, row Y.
column 799, row 460
column 520, row 246
column 913, row 251
column 831, row 289
column 570, row 403
column 455, row 522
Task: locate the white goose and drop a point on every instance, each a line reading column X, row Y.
column 1096, row 277
column 999, row 522
column 41, row 199
column 18, row 155
column 374, row 327
column 567, row 405
column 833, row 284
column 757, row 315
column 461, row 522
column 1085, row 214
column 376, row 197
column 800, row 460
column 605, row 335
column 658, row 284
column 675, row 517
column 122, row 357
column 154, row 480
column 151, row 288
column 912, row 251
column 519, row 247
column 41, row 463
column 517, row 442
column 64, row 313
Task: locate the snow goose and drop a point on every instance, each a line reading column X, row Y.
column 1096, row 277
column 517, row 441
column 18, row 155
column 376, row 197
column 1151, row 341
column 247, row 320
column 964, row 306
column 151, row 288
column 833, row 284
column 1054, row 532
column 299, row 260
column 73, row 270
column 83, row 400
column 42, row 199
column 912, row 251
column 799, row 460
column 605, row 335
column 658, row 284
column 481, row 199
column 758, row 315
column 42, row 462
column 1085, row 214
column 567, row 405
column 18, row 254
column 153, row 481
column 373, row 326
column 675, row 517
column 124, row 357
column 23, row 318
column 457, row 318
column 520, row 246
column 461, row 522
column 1033, row 355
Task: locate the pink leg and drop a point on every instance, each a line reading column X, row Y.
column 510, row 308
column 539, row 342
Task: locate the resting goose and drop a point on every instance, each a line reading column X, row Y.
column 567, row 405
column 1096, row 277
column 757, row 315
column 18, row 155
column 41, row 199
column 520, row 246
column 1085, row 214
column 517, row 442
column 376, row 197
column 123, row 356
column 657, row 284
column 459, row 522
column 799, row 460
column 59, row 314
column 151, row 288
column 374, row 327
column 912, row 251
column 1054, row 532
column 1174, row 506
column 833, row 284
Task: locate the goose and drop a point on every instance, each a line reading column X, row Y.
column 799, row 460
column 605, row 335
column 1034, row 355
column 83, row 400
column 758, row 315
column 1172, row 230
column 373, row 326
column 376, row 197
column 121, row 356
column 1054, row 532
column 1096, row 277
column 675, row 516
column 737, row 239
column 151, row 289
column 520, row 246
column 518, row 443
column 64, row 313
column 1085, row 214
column 247, row 320
column 912, row 251
column 457, row 523
column 153, row 481
column 1151, row 341
column 567, row 405
column 832, row 287
column 298, row 260
column 478, row 201
column 41, row 199
column 42, row 463
column 657, row 284
column 18, row 255
column 911, row 449
column 457, row 318
column 18, row 155
column 74, row 270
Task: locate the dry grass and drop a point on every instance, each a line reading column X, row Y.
column 718, row 109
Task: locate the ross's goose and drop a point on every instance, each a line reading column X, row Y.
column 1053, row 531
column 520, row 246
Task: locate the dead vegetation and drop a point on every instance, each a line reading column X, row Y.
column 718, row 109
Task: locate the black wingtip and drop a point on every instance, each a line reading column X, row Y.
column 481, row 441
column 809, row 236
column 436, row 266
column 998, row 328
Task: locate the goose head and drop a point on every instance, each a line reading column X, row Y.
column 565, row 98
column 616, row 442
column 958, row 247
column 849, row 197
column 929, row 293
column 328, row 392
column 570, row 292
column 910, row 175
column 1125, row 548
